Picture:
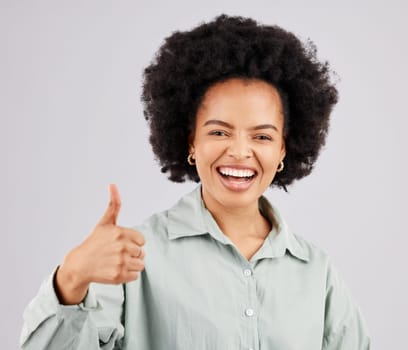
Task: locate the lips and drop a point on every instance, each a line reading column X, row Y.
column 236, row 178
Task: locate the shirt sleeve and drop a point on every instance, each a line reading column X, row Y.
column 96, row 323
column 345, row 327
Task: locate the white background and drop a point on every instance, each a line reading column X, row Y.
column 72, row 122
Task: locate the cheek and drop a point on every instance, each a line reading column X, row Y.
column 269, row 158
column 208, row 152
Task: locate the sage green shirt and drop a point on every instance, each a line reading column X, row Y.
column 198, row 291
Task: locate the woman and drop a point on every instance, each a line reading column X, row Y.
column 238, row 107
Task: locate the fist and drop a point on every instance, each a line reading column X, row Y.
column 110, row 254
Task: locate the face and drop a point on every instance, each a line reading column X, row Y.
column 238, row 142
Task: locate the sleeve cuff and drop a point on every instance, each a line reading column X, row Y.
column 46, row 305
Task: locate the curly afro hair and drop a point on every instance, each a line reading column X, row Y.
column 189, row 62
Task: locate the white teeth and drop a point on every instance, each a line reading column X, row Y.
column 236, row 172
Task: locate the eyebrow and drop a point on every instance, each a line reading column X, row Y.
column 228, row 125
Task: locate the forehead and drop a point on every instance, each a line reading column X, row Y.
column 241, row 101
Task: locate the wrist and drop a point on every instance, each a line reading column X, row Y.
column 70, row 285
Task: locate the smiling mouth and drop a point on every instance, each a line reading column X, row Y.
column 244, row 175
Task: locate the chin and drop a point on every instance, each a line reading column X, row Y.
column 237, row 199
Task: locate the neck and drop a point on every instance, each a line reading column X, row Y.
column 238, row 222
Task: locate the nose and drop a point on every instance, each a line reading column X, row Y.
column 239, row 148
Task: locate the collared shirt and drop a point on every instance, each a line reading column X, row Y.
column 198, row 291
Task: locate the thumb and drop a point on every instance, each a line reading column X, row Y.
column 113, row 209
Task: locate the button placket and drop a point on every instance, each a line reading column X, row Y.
column 249, row 311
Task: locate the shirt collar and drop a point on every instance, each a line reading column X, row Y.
column 189, row 217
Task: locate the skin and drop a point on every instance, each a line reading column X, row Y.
column 238, row 125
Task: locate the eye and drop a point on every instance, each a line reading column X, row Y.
column 218, row 133
column 263, row 137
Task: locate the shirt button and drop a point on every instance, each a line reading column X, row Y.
column 249, row 312
column 247, row 272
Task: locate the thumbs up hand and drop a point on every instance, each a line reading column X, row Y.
column 110, row 254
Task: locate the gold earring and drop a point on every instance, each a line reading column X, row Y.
column 190, row 159
column 280, row 167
